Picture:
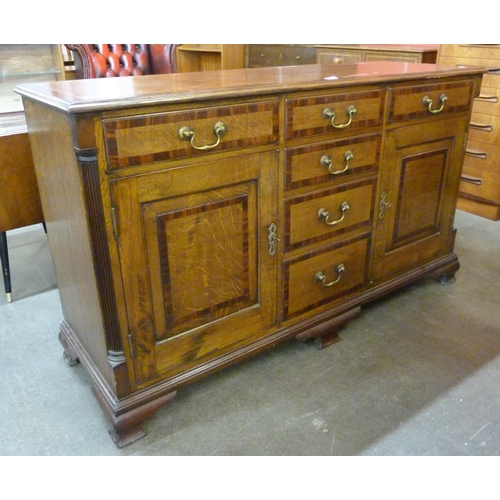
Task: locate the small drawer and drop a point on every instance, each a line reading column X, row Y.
column 324, row 276
column 434, row 99
column 324, row 214
column 155, row 137
column 330, row 161
column 336, row 113
column 329, row 56
column 481, row 185
column 484, row 128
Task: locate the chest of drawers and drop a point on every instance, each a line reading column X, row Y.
column 207, row 217
column 480, row 186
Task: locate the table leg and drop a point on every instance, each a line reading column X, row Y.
column 4, row 256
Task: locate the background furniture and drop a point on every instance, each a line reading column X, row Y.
column 110, row 60
column 480, row 186
column 262, row 55
column 208, row 57
column 208, row 216
column 19, row 196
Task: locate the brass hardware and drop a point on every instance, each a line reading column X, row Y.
column 383, row 205
column 272, row 238
column 326, row 161
column 321, row 278
column 328, row 113
column 428, row 102
column 323, row 214
column 187, row 134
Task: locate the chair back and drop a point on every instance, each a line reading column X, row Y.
column 111, row 60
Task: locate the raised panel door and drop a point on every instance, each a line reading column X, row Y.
column 198, row 277
column 417, row 195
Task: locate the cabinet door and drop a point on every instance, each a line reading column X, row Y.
column 199, row 280
column 417, row 196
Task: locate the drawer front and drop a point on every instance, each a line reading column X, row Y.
column 324, row 276
column 484, row 128
column 487, row 103
column 154, row 137
column 279, row 55
column 481, row 185
column 336, row 113
column 330, row 161
column 409, row 103
column 482, row 156
column 325, row 214
column 387, row 55
column 339, row 56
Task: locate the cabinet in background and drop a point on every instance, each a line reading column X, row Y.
column 209, row 57
column 292, row 55
column 480, row 186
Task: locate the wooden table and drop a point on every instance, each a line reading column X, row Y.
column 19, row 196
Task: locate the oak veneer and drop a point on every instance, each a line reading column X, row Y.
column 174, row 262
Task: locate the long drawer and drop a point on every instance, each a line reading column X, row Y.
column 480, row 184
column 483, row 156
column 162, row 136
column 325, row 275
column 484, row 128
column 423, row 101
column 335, row 113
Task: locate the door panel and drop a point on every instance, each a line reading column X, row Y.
column 197, row 274
column 417, row 193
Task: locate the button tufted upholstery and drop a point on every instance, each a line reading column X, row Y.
column 111, row 60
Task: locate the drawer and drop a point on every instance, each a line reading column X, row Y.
column 335, row 113
column 479, row 184
column 482, row 156
column 326, row 56
column 409, row 103
column 154, row 137
column 487, row 101
column 330, row 161
column 484, row 128
column 279, row 55
column 325, row 214
column 388, row 55
column 325, row 276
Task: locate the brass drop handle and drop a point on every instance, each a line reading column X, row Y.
column 187, row 134
column 326, row 161
column 323, row 214
column 428, row 102
column 321, row 278
column 328, row 113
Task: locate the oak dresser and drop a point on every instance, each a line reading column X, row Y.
column 197, row 219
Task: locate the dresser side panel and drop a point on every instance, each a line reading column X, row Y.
column 62, row 196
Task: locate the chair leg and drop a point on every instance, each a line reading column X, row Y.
column 4, row 256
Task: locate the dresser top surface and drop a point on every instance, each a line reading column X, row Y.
column 79, row 96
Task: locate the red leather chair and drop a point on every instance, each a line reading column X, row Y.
column 111, row 60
